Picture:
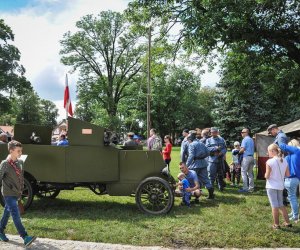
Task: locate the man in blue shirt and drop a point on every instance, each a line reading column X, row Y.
column 184, row 146
column 63, row 141
column 196, row 161
column 247, row 149
column 217, row 148
column 276, row 132
column 192, row 178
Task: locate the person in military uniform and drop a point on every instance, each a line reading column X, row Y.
column 196, row 161
column 130, row 141
column 184, row 146
column 217, row 148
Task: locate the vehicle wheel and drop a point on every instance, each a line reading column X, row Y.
column 49, row 193
column 27, row 195
column 154, row 196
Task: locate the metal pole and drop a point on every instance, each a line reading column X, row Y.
column 148, row 86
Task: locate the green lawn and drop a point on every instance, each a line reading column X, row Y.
column 231, row 220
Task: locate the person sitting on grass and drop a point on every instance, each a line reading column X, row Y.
column 12, row 179
column 192, row 178
column 184, row 184
column 276, row 170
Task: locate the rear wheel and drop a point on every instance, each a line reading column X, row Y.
column 47, row 191
column 155, row 196
column 27, row 195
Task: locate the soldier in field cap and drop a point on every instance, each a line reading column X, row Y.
column 217, row 147
column 280, row 137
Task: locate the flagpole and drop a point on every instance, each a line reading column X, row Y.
column 66, row 84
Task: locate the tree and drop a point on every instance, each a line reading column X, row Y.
column 268, row 26
column 27, row 108
column 12, row 80
column 49, row 113
column 255, row 91
column 107, row 56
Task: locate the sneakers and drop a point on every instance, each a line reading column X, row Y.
column 28, row 240
column 3, row 237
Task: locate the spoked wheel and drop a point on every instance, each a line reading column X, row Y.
column 154, row 196
column 48, row 192
column 27, row 195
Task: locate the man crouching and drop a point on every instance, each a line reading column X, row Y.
column 192, row 178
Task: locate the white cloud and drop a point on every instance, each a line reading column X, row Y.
column 38, row 28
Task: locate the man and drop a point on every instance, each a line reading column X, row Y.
column 280, row 137
column 204, row 135
column 184, row 146
column 217, row 148
column 3, row 138
column 247, row 150
column 130, row 141
column 196, row 161
column 63, row 141
column 192, row 178
column 154, row 141
column 12, row 180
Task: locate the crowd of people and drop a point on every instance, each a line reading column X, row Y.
column 203, row 163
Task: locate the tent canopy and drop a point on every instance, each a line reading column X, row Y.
column 288, row 128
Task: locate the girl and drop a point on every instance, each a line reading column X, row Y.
column 276, row 170
column 167, row 150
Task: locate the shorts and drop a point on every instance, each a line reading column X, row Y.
column 275, row 197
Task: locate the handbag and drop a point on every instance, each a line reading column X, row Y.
column 21, row 207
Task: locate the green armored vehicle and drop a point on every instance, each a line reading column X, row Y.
column 88, row 162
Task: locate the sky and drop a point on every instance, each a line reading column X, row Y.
column 39, row 25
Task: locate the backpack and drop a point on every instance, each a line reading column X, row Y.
column 157, row 144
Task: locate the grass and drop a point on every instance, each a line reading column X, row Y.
column 231, row 220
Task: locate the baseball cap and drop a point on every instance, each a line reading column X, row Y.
column 236, row 143
column 214, row 129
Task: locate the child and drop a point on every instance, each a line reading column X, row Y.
column 184, row 183
column 11, row 176
column 235, row 166
column 276, row 170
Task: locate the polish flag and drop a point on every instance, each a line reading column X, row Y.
column 67, row 99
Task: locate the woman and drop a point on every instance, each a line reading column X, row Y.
column 167, row 150
column 276, row 170
column 291, row 183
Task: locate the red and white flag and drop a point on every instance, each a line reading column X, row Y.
column 67, row 99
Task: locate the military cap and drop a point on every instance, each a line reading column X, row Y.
column 272, row 126
column 214, row 129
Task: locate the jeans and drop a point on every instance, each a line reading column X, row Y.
column 247, row 173
column 291, row 184
column 215, row 170
column 203, row 177
column 11, row 208
column 186, row 196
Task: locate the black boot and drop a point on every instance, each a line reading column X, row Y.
column 211, row 195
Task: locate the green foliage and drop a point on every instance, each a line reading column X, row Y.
column 107, row 55
column 271, row 27
column 254, row 92
column 49, row 113
column 12, row 80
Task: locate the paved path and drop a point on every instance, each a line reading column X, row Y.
column 15, row 243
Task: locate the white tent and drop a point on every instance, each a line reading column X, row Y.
column 263, row 140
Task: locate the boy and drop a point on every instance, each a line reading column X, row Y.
column 11, row 176
column 184, row 183
column 235, row 167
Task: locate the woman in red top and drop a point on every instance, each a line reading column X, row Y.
column 167, row 150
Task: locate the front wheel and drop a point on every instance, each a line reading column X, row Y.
column 154, row 196
column 27, row 195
